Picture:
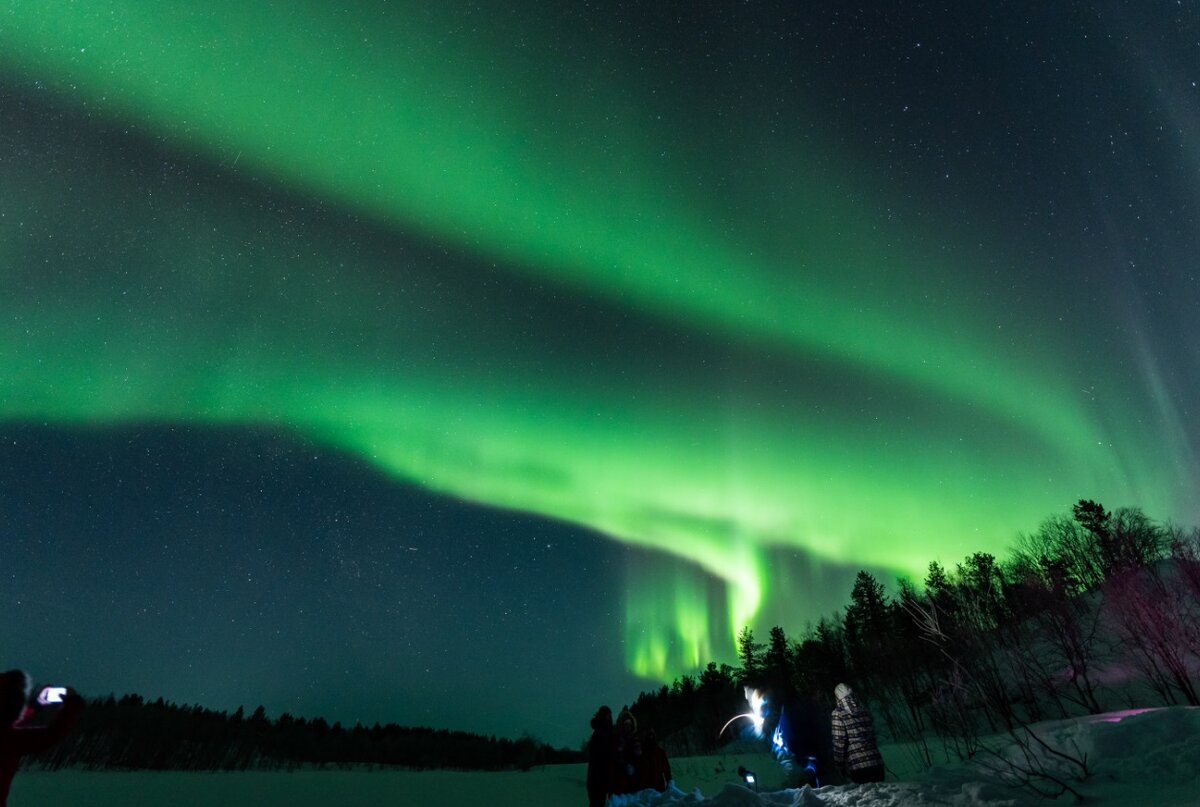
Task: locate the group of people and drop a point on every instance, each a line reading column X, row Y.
column 622, row 760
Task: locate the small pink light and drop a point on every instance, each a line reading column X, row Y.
column 1117, row 717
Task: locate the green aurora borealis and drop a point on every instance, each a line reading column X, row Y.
column 596, row 293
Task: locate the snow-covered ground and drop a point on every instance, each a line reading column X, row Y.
column 1144, row 757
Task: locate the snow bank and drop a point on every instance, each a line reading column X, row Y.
column 1139, row 756
column 886, row 794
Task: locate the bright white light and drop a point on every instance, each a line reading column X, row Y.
column 50, row 695
column 756, row 700
column 755, row 715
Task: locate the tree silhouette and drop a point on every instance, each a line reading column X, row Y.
column 750, row 655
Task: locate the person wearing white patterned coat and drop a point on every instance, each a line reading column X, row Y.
column 854, row 746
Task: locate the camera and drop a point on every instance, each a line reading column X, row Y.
column 749, row 777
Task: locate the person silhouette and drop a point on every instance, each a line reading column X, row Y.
column 602, row 758
column 17, row 740
column 657, row 768
column 628, row 754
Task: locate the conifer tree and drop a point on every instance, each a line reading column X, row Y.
column 750, row 654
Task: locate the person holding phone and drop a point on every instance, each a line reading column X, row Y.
column 18, row 740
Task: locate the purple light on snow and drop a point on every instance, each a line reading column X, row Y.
column 1117, row 717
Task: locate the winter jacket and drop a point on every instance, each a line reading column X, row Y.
column 657, row 771
column 854, row 745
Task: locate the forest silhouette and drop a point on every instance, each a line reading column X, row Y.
column 1092, row 611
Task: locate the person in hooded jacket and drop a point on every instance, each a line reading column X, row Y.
column 17, row 741
column 602, row 758
column 854, row 746
column 629, row 756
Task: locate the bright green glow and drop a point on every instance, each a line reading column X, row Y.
column 421, row 130
column 667, row 620
column 938, row 437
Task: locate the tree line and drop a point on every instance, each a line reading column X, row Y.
column 987, row 646
column 132, row 734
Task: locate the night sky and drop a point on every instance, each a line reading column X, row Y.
column 471, row 364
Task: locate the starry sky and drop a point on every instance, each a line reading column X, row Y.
column 469, row 365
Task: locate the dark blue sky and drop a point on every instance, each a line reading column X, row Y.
column 230, row 566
